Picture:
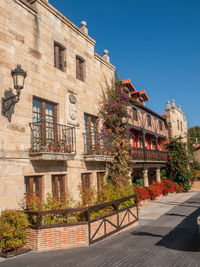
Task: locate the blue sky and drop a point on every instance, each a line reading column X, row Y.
column 156, row 43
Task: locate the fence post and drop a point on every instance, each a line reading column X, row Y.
column 39, row 220
column 87, row 217
column 136, row 200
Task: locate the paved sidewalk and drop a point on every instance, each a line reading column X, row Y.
column 154, row 209
column 169, row 240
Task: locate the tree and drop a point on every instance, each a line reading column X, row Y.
column 112, row 109
column 193, row 136
column 178, row 164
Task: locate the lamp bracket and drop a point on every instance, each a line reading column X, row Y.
column 8, row 103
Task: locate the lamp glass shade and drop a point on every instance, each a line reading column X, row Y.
column 18, row 81
column 19, row 76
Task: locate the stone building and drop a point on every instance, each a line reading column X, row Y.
column 42, row 136
column 176, row 121
column 50, row 137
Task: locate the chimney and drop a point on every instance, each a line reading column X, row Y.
column 83, row 27
column 105, row 56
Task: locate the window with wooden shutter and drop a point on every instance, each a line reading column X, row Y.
column 59, row 56
column 91, row 132
column 100, row 180
column 79, row 68
column 58, row 187
column 85, row 179
column 33, row 186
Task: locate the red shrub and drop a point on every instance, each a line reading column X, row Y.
column 142, row 194
column 178, row 188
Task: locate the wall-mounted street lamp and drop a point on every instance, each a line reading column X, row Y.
column 9, row 100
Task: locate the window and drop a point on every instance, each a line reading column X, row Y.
column 181, row 126
column 140, row 142
column 85, row 179
column 33, row 186
column 58, row 186
column 178, row 124
column 135, row 114
column 44, row 116
column 149, row 120
column 100, row 180
column 153, row 144
column 91, row 133
column 59, row 56
column 160, row 125
column 80, row 68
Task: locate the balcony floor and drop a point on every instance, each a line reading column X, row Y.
column 51, row 156
column 102, row 158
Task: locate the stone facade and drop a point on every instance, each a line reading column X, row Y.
column 29, row 31
column 176, row 121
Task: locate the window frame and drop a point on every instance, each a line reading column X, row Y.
column 100, row 181
column 135, row 114
column 85, row 180
column 58, row 48
column 30, row 186
column 178, row 126
column 56, row 188
column 149, row 120
column 80, row 68
column 160, row 126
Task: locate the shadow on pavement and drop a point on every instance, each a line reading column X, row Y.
column 175, row 214
column 140, row 233
column 185, row 236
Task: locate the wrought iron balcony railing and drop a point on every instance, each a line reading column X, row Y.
column 148, row 154
column 52, row 137
column 97, row 144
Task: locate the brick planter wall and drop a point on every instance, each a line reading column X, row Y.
column 57, row 237
column 67, row 236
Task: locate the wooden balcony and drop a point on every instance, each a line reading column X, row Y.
column 52, row 141
column 97, row 147
column 144, row 154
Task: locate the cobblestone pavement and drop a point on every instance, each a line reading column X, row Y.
column 169, row 240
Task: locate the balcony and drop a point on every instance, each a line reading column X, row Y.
column 52, row 141
column 97, row 147
column 144, row 154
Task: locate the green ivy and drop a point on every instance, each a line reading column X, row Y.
column 178, row 164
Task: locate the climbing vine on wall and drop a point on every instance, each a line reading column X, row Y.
column 112, row 109
column 178, row 164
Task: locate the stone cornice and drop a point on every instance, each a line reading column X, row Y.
column 60, row 16
column 27, row 6
column 98, row 57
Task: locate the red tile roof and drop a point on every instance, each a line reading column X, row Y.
column 196, row 147
column 134, row 91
